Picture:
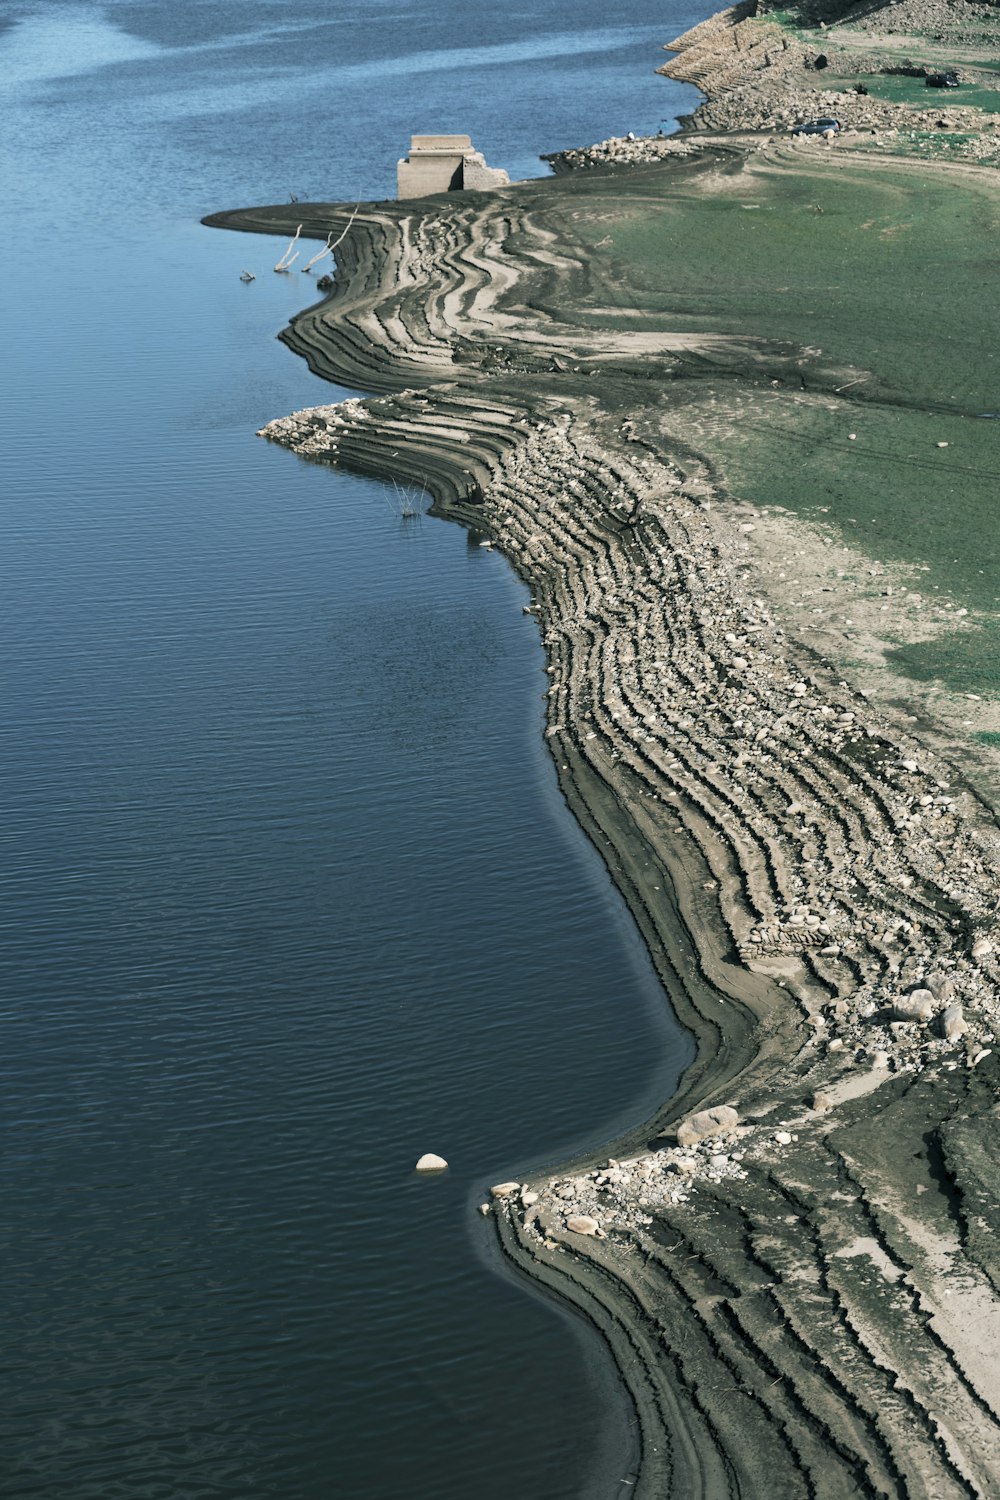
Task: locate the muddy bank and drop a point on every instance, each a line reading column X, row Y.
column 803, row 1301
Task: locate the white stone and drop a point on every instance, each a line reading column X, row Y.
column 528, row 1199
column 982, row 948
column 505, row 1189
column 782, row 1138
column 952, row 1023
column 918, row 1005
column 583, row 1224
column 706, row 1122
column 431, row 1163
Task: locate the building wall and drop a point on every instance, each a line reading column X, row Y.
column 442, row 164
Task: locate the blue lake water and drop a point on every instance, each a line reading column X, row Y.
column 289, row 892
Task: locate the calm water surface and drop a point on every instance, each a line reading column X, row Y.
column 290, row 895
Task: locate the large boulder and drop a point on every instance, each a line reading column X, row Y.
column 952, row 1023
column 918, row 1005
column 583, row 1224
column 505, row 1189
column 706, row 1122
column 431, row 1163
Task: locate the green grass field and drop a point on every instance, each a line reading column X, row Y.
column 889, row 271
column 880, row 267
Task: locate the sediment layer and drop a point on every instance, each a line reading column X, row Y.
column 803, row 1304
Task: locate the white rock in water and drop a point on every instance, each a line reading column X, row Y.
column 431, row 1163
column 706, row 1122
column 505, row 1189
column 782, row 1138
column 952, row 1023
column 918, row 1005
column 583, row 1224
column 484, row 1209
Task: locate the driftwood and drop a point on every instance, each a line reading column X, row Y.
column 288, row 259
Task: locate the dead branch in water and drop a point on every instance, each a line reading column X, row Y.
column 331, row 244
column 285, row 262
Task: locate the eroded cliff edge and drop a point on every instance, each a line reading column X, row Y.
column 804, row 1304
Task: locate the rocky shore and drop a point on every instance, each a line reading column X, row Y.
column 800, row 1289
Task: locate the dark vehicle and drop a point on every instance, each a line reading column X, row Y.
column 824, row 126
column 942, row 81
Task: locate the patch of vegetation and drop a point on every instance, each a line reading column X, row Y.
column 914, row 91
column 869, row 267
column 866, row 264
column 967, row 663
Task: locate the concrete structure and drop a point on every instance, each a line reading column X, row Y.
column 443, row 164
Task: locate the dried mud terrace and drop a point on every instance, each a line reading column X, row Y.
column 803, row 1304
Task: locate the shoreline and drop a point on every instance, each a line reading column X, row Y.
column 754, row 811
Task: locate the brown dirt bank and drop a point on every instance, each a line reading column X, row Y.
column 803, row 1305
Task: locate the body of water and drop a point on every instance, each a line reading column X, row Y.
column 289, row 892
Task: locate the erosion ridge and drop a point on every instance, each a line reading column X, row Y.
column 803, row 1303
